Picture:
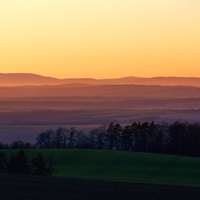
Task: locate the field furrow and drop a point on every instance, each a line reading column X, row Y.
column 111, row 165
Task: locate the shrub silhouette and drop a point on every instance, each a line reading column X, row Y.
column 39, row 166
column 18, row 164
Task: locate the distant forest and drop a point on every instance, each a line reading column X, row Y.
column 176, row 138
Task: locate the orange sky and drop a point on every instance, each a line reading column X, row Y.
column 100, row 38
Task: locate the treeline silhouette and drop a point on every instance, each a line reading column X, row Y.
column 176, row 138
column 19, row 164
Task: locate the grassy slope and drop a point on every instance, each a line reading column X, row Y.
column 118, row 165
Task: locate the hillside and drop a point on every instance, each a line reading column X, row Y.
column 108, row 175
column 80, row 90
column 97, row 104
column 21, row 79
column 122, row 165
column 14, row 79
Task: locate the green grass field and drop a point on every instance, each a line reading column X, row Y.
column 107, row 175
column 121, row 165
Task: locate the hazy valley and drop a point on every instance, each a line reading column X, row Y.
column 86, row 105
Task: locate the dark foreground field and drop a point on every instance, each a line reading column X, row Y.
column 21, row 187
column 102, row 175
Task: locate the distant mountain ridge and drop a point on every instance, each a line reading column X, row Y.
column 21, row 79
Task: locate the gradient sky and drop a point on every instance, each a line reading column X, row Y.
column 100, row 38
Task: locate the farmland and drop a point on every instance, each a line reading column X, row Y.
column 121, row 165
column 33, row 187
column 101, row 174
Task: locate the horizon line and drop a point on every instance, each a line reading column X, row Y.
column 142, row 77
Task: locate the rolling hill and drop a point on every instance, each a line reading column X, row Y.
column 20, row 79
column 121, row 165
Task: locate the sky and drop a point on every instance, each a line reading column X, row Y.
column 100, row 38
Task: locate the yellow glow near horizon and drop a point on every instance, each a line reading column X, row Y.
column 100, row 38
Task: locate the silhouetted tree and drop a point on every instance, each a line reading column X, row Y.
column 127, row 138
column 192, row 140
column 160, row 137
column 177, row 137
column 97, row 137
column 113, row 136
column 72, row 135
column 81, row 141
column 1, row 145
column 45, row 139
column 19, row 144
column 60, row 137
column 18, row 164
column 3, row 162
column 40, row 166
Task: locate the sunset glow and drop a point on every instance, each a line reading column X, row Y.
column 100, row 38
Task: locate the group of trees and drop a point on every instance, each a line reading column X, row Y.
column 60, row 138
column 177, row 138
column 18, row 164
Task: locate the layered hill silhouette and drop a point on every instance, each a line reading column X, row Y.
column 30, row 99
column 21, row 79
